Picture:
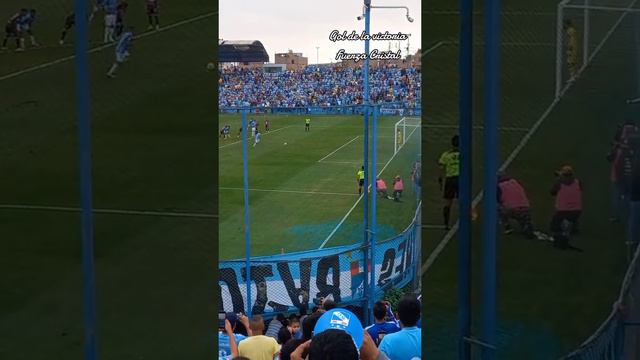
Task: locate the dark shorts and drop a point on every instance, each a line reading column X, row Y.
column 451, row 188
column 307, row 125
column 152, row 9
column 361, row 182
column 11, row 31
column 560, row 216
column 69, row 22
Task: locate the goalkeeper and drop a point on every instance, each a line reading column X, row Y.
column 571, row 36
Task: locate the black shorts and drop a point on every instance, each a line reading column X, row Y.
column 306, row 125
column 451, row 188
column 560, row 216
column 361, row 182
column 11, row 30
column 152, row 10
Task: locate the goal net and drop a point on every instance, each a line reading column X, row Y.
column 589, row 28
column 403, row 129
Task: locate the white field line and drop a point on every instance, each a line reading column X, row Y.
column 263, row 134
column 435, row 47
column 504, row 128
column 105, row 46
column 445, row 240
column 107, row 211
column 291, row 191
column 338, row 149
column 360, row 197
column 348, row 162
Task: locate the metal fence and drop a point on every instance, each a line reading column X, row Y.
column 618, row 338
column 295, row 282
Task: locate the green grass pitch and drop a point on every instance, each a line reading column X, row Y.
column 303, row 189
column 548, row 301
column 154, row 137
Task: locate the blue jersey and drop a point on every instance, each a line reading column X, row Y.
column 123, row 43
column 26, row 19
column 252, row 123
column 110, row 6
column 379, row 331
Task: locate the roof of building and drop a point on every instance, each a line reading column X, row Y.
column 242, row 51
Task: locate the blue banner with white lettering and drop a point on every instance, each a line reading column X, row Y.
column 294, row 282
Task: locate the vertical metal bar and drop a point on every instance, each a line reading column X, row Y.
column 367, row 22
column 247, row 234
column 585, row 35
column 489, row 224
column 86, row 190
column 559, row 57
column 466, row 138
column 372, row 238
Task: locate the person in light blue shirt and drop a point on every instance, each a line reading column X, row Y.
column 224, row 347
column 405, row 344
column 122, row 51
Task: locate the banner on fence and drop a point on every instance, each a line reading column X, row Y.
column 293, row 282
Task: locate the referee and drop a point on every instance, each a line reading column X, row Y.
column 360, row 180
column 449, row 170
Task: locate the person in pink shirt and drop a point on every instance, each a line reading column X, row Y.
column 514, row 205
column 398, row 187
column 567, row 191
column 381, row 188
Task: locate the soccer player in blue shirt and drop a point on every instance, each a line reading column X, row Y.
column 25, row 24
column 257, row 138
column 110, row 18
column 382, row 327
column 122, row 51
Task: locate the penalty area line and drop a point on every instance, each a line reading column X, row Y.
column 289, row 191
column 108, row 211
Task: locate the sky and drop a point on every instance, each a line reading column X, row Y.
column 303, row 25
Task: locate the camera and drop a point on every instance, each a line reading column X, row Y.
column 222, row 316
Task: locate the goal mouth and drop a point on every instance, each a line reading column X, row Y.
column 403, row 129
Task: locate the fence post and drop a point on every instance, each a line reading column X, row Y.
column 247, row 235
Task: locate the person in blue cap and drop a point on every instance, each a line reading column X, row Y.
column 231, row 328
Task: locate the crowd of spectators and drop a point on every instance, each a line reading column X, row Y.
column 394, row 336
column 317, row 86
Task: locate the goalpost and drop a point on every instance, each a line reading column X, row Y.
column 402, row 130
column 594, row 22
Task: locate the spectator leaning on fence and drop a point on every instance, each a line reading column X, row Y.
column 405, row 344
column 258, row 346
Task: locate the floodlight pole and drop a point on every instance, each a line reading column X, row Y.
column 367, row 22
column 466, row 138
column 247, row 234
column 490, row 181
column 86, row 186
